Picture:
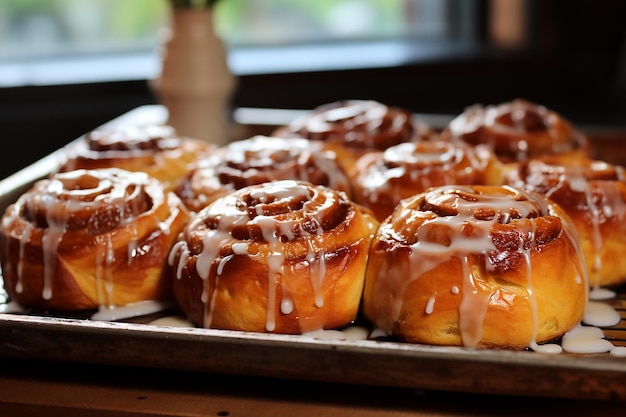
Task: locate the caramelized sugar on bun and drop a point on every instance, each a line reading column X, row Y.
column 256, row 160
column 593, row 193
column 154, row 149
column 87, row 239
column 353, row 127
column 518, row 130
column 476, row 266
column 381, row 179
column 279, row 257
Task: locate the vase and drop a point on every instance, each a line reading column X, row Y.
column 195, row 83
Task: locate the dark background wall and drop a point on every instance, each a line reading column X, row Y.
column 573, row 60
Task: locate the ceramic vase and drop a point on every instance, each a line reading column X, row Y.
column 195, row 83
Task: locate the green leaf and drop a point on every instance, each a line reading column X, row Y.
column 193, row 4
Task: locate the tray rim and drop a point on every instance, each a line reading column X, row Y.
column 104, row 328
column 297, row 357
column 26, row 336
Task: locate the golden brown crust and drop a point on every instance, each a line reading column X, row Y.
column 284, row 257
column 86, row 239
column 478, row 266
column 353, row 127
column 260, row 159
column 518, row 130
column 593, row 193
column 381, row 179
column 157, row 150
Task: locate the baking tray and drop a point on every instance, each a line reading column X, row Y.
column 350, row 361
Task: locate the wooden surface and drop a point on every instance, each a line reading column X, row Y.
column 52, row 389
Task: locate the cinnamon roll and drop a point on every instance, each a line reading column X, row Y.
column 518, row 130
column 476, row 266
column 284, row 256
column 89, row 239
column 353, row 127
column 256, row 160
column 593, row 193
column 381, row 179
column 157, row 150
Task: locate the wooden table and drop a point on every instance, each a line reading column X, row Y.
column 63, row 389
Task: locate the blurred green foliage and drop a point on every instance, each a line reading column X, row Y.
column 79, row 22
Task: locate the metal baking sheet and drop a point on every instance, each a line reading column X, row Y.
column 352, row 361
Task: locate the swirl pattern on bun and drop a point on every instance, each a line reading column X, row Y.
column 353, row 127
column 381, row 179
column 157, row 150
column 476, row 266
column 518, row 130
column 87, row 239
column 279, row 257
column 256, row 160
column 593, row 193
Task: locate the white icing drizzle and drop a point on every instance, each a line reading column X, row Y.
column 578, row 183
column 618, row 351
column 276, row 231
column 177, row 248
column 25, row 237
column 50, row 242
column 12, row 307
column 357, row 112
column 111, row 194
column 532, row 300
column 426, row 255
column 430, row 305
column 586, row 339
column 103, row 277
column 599, row 293
column 141, row 308
column 549, row 348
column 286, row 305
column 262, row 159
column 425, row 164
column 601, row 195
column 508, row 120
column 123, row 142
column 600, row 314
column 172, row 321
column 587, row 336
column 472, row 309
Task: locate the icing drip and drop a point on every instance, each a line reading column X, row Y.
column 84, row 225
column 472, row 309
column 282, row 211
column 590, row 192
column 363, row 124
column 457, row 223
column 517, row 130
column 141, row 308
column 261, row 159
column 424, row 165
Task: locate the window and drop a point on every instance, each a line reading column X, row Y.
column 64, row 41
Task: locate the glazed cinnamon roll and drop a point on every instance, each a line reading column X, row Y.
column 157, row 150
column 381, row 179
column 353, row 127
column 278, row 257
column 593, row 193
column 89, row 239
column 476, row 266
column 518, row 130
column 260, row 159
